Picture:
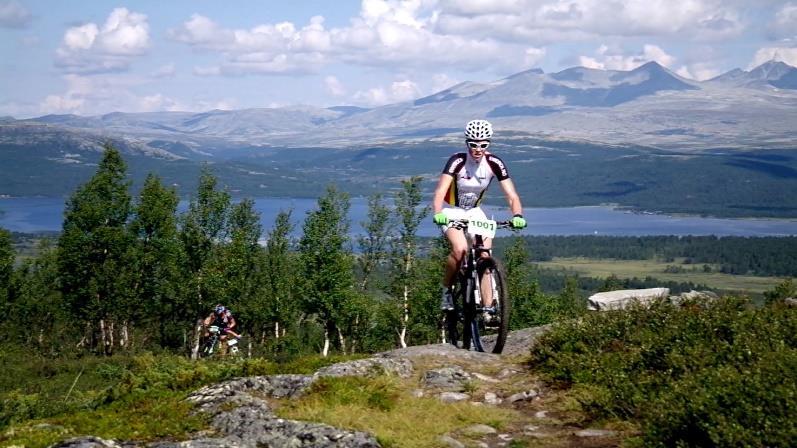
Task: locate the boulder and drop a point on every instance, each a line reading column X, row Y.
column 694, row 296
column 618, row 300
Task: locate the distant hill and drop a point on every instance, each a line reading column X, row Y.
column 645, row 138
column 649, row 105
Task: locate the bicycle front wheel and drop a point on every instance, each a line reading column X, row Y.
column 492, row 327
column 455, row 330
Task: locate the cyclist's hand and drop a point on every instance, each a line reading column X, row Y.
column 440, row 219
column 518, row 222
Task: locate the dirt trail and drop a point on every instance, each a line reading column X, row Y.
column 546, row 419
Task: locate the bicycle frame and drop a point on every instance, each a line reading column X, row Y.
column 468, row 297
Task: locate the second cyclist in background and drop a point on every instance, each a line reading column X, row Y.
column 222, row 318
column 461, row 187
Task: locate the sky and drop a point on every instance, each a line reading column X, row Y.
column 92, row 57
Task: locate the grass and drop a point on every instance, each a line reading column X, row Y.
column 384, row 406
column 145, row 418
column 626, row 269
column 137, row 397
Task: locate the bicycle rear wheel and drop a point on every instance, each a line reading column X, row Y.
column 493, row 333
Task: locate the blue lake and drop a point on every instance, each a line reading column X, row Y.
column 46, row 214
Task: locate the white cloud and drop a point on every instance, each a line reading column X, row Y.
column 165, row 71
column 533, row 56
column 549, row 21
column 14, row 15
column 615, row 59
column 398, row 91
column 334, row 86
column 91, row 49
column 105, row 93
column 385, row 33
column 502, row 35
column 783, row 54
column 784, row 25
column 441, row 81
column 698, row 71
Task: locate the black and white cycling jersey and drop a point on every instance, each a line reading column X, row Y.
column 471, row 178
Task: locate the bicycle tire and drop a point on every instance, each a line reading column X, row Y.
column 208, row 347
column 454, row 318
column 502, row 305
column 471, row 334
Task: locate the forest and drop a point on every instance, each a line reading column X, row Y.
column 763, row 256
column 129, row 274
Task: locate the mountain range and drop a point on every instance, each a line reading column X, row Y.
column 647, row 139
column 649, row 105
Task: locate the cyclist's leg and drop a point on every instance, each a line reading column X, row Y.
column 459, row 249
column 223, row 345
column 486, row 281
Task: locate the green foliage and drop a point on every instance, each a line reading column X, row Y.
column 326, row 260
column 202, row 227
column 277, row 303
column 154, row 293
column 719, row 374
column 530, row 307
column 405, row 273
column 7, row 257
column 784, row 290
column 92, row 249
column 36, row 315
column 373, row 244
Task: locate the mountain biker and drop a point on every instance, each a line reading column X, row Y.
column 461, row 187
column 221, row 317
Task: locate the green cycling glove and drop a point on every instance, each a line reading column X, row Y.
column 440, row 219
column 518, row 222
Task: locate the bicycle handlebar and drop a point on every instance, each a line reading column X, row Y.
column 463, row 223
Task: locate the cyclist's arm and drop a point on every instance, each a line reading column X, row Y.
column 440, row 192
column 512, row 197
column 207, row 320
column 232, row 323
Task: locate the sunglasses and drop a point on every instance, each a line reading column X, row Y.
column 477, row 145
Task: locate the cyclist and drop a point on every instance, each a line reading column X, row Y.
column 221, row 317
column 462, row 184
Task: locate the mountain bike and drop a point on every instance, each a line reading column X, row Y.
column 212, row 341
column 470, row 323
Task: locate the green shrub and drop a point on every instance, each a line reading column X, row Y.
column 723, row 374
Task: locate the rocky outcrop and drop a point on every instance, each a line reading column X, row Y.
column 624, row 298
column 621, row 299
column 241, row 415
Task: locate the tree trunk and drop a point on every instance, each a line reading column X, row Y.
column 325, row 350
column 354, row 341
column 277, row 330
column 342, row 341
column 197, row 336
column 109, row 340
column 102, row 335
column 405, row 318
column 124, row 337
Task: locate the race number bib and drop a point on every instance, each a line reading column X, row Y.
column 483, row 227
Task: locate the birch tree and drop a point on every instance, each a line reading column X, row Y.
column 326, row 263
column 92, row 248
column 405, row 247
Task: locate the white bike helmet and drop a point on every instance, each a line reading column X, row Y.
column 478, row 130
